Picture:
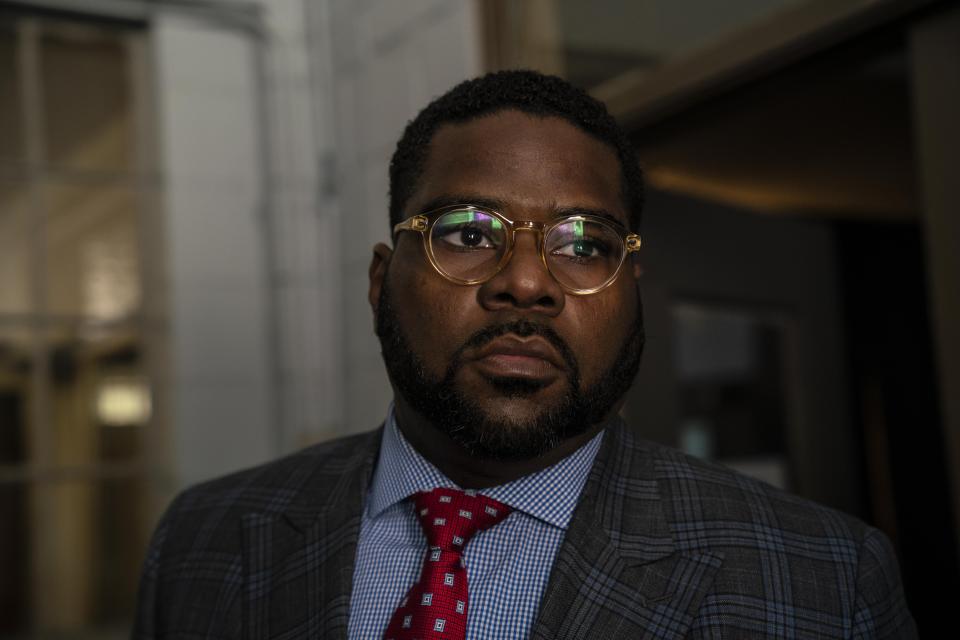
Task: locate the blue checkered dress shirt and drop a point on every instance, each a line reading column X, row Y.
column 507, row 565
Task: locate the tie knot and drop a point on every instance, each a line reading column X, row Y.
column 450, row 517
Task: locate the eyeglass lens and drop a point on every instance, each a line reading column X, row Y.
column 469, row 245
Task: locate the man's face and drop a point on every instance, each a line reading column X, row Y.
column 512, row 367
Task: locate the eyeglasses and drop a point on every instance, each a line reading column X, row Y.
column 469, row 245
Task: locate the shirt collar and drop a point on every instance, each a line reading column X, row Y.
column 550, row 494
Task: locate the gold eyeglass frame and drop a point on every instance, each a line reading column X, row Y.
column 423, row 223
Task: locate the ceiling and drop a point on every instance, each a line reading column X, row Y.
column 831, row 138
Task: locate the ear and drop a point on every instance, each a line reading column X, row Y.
column 636, row 268
column 378, row 271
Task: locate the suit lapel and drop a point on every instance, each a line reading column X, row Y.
column 618, row 573
column 298, row 563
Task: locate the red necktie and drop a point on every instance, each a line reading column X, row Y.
column 435, row 608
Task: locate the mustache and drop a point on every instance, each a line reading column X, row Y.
column 523, row 329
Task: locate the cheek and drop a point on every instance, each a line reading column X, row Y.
column 433, row 313
column 602, row 325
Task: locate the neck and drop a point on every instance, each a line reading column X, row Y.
column 465, row 469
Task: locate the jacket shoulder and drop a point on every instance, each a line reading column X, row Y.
column 831, row 574
column 746, row 510
column 207, row 516
column 272, row 487
column 193, row 572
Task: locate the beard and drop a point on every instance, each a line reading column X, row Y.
column 492, row 437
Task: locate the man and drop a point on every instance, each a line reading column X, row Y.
column 503, row 498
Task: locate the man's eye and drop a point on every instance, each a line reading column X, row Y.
column 468, row 237
column 581, row 249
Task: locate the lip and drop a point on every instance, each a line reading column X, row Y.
column 509, row 356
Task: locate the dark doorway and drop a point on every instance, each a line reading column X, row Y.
column 896, row 408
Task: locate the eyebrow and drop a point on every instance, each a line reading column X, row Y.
column 563, row 212
column 451, row 200
column 496, row 204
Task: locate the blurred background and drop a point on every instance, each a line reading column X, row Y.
column 190, row 190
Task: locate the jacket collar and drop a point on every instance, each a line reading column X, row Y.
column 298, row 563
column 618, row 573
column 319, row 498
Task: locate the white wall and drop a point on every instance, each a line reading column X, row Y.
column 303, row 233
column 389, row 59
column 219, row 383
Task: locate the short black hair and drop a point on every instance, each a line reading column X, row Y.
column 522, row 90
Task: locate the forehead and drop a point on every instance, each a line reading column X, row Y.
column 535, row 165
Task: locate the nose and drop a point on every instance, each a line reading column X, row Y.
column 524, row 282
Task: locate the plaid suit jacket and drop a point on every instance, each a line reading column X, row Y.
column 660, row 546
